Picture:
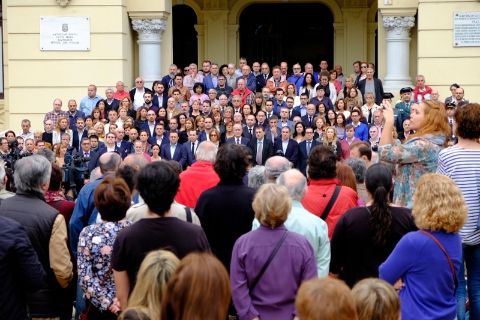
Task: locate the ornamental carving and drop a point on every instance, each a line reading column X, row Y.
column 149, row 28
column 399, row 26
column 215, row 4
column 355, row 3
column 63, row 3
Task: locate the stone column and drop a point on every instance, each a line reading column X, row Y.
column 398, row 52
column 149, row 48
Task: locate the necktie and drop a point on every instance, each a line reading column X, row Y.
column 310, row 121
column 259, row 153
column 265, row 76
column 86, row 156
column 193, row 148
column 170, row 83
column 250, row 132
column 238, row 141
column 269, row 115
column 309, row 146
column 451, row 122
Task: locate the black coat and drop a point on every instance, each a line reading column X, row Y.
column 378, row 90
column 267, row 151
column 226, row 213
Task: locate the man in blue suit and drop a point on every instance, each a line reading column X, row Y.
column 110, row 102
column 151, row 123
column 121, row 143
column 79, row 133
column 111, row 146
column 250, row 79
column 304, row 149
column 174, row 150
column 287, row 145
column 309, row 119
column 85, row 151
column 160, row 97
column 237, row 136
column 160, row 137
column 192, row 146
column 211, row 81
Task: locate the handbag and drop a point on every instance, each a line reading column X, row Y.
column 268, row 262
column 84, row 314
column 455, row 280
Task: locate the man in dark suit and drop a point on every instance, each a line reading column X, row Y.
column 273, row 130
column 308, row 120
column 211, row 81
column 85, row 151
column 304, row 149
column 266, row 145
column 292, row 113
column 263, row 77
column 182, row 135
column 237, row 136
column 123, row 144
column 136, row 94
column 151, row 123
column 288, row 146
column 179, row 151
column 262, row 118
column 110, row 102
column 377, row 84
column 249, row 129
column 79, row 133
column 269, row 110
column 160, row 137
column 192, row 146
column 160, row 97
column 111, row 146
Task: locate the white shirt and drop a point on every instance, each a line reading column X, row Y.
column 138, row 99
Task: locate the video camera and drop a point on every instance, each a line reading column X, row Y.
column 74, row 173
column 14, row 155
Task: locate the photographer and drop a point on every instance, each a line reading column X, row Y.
column 3, row 146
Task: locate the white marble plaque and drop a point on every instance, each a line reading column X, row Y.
column 466, row 29
column 65, row 33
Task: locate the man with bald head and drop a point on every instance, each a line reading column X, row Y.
column 120, row 93
column 55, row 114
column 88, row 103
column 303, row 222
column 275, row 166
column 136, row 94
column 237, row 136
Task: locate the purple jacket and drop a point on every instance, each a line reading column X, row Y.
column 274, row 295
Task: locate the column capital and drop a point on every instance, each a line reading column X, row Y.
column 398, row 26
column 149, row 29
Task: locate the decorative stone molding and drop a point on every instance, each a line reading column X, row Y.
column 215, row 4
column 399, row 26
column 355, row 13
column 149, row 28
column 63, row 3
column 355, row 3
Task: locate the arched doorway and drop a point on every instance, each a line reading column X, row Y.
column 185, row 47
column 268, row 33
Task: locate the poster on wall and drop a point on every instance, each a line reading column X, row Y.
column 65, row 33
column 466, row 29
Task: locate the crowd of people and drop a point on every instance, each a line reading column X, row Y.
column 240, row 193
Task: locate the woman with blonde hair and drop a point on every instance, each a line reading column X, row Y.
column 127, row 102
column 145, row 303
column 376, row 300
column 289, row 257
column 369, row 107
column 61, row 128
column 330, row 139
column 198, row 290
column 60, row 152
column 424, row 264
column 353, row 99
column 99, row 128
column 292, row 92
column 417, row 155
column 341, row 107
column 122, row 115
column 325, row 299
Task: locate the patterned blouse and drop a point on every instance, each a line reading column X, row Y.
column 414, row 158
column 95, row 246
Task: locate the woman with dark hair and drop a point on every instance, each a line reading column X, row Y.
column 299, row 132
column 340, row 126
column 364, row 237
column 199, row 93
column 141, row 117
column 308, row 86
column 223, row 69
column 101, row 106
column 460, row 163
column 258, row 104
column 258, row 295
column 331, row 118
column 95, row 245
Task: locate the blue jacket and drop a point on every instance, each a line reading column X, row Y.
column 291, row 153
column 180, row 154
column 276, row 107
column 361, row 132
column 84, row 213
column 73, row 118
column 298, row 81
column 303, row 156
column 208, row 83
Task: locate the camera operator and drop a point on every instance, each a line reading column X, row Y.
column 4, row 194
column 3, row 146
column 87, row 152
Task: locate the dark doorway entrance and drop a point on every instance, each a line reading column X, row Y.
column 185, row 47
column 288, row 32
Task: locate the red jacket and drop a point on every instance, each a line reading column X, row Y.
column 193, row 181
column 319, row 193
column 416, row 92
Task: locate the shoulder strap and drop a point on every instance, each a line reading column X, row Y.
column 268, row 261
column 189, row 214
column 106, row 276
column 330, row 204
column 455, row 280
column 57, row 204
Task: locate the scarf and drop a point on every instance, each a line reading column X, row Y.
column 54, row 196
column 417, row 92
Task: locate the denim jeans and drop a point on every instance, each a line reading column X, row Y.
column 80, row 302
column 471, row 257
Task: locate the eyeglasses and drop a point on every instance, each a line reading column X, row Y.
column 186, row 70
column 138, row 81
column 363, row 67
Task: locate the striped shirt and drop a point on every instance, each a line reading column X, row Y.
column 462, row 166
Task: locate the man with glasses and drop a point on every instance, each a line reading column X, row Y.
column 4, row 145
column 183, row 91
column 74, row 114
column 136, row 94
column 210, row 81
column 263, row 77
column 192, row 77
column 172, row 111
column 88, row 103
column 111, row 146
column 361, row 129
column 182, row 135
column 459, row 93
column 453, row 87
column 186, row 71
column 304, row 149
column 110, row 101
column 86, row 151
column 222, row 87
column 297, row 76
column 55, row 114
